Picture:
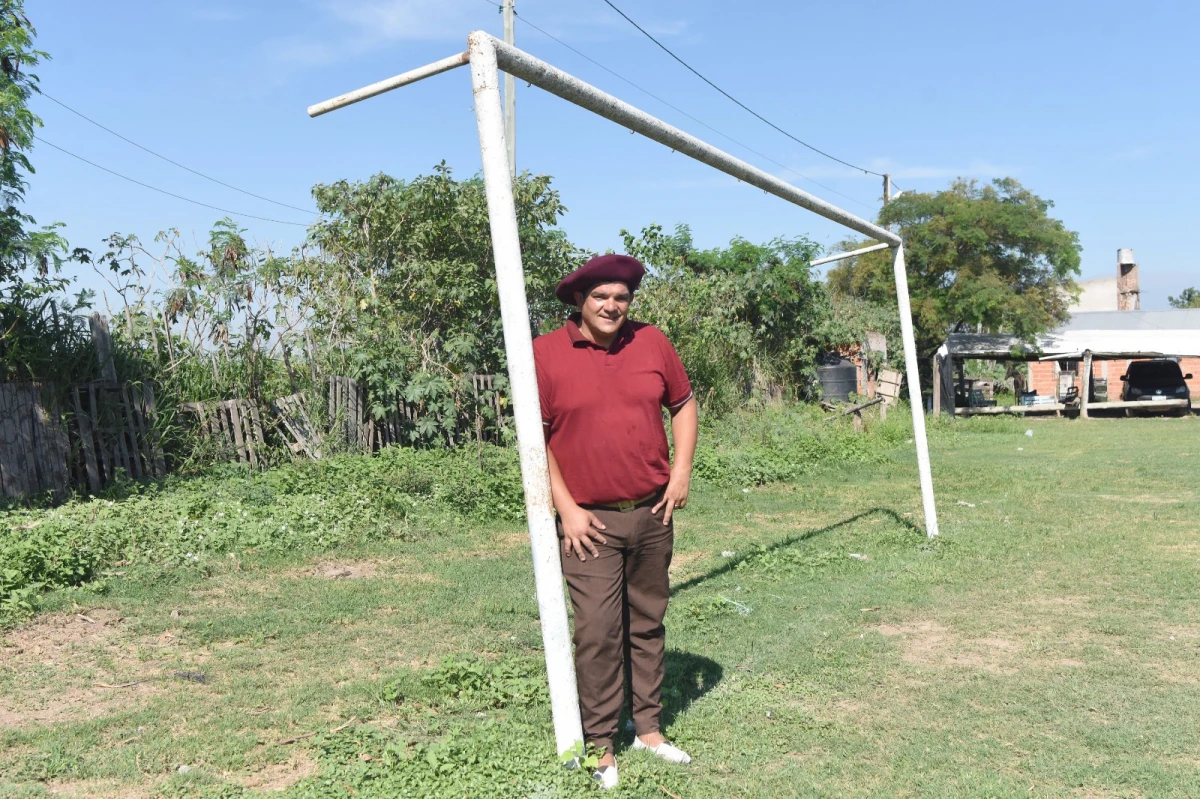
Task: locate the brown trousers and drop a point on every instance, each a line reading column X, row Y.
column 620, row 599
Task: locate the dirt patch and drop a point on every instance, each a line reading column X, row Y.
column 98, row 789
column 343, row 570
column 84, row 665
column 932, row 644
column 681, row 562
column 281, row 776
column 53, row 635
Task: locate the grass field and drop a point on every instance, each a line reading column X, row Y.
column 1047, row 645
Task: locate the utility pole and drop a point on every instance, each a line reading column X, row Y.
column 510, row 93
column 887, row 189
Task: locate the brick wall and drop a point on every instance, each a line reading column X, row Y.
column 1043, row 376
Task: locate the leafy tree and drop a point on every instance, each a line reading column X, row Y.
column 978, row 257
column 1188, row 298
column 30, row 258
column 402, row 285
column 749, row 320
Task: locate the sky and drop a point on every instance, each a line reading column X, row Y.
column 1089, row 103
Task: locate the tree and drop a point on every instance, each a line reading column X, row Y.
column 30, row 258
column 978, row 257
column 402, row 286
column 1188, row 298
column 748, row 319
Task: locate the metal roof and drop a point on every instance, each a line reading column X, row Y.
column 1107, row 334
column 1179, row 319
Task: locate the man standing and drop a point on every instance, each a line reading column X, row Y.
column 603, row 381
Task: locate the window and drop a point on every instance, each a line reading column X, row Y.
column 1069, row 365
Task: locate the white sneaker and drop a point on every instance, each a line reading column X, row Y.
column 667, row 751
column 606, row 777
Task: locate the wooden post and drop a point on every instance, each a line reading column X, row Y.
column 148, row 408
column 1085, row 380
column 86, row 438
column 937, row 385
column 135, row 451
column 102, row 342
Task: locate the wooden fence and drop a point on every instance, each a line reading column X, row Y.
column 110, row 427
column 357, row 428
column 107, row 428
column 233, row 426
column 114, row 424
column 34, row 450
column 300, row 434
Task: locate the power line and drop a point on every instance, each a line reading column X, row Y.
column 164, row 191
column 175, row 163
column 679, row 110
column 736, row 101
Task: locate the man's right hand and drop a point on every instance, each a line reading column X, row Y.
column 580, row 529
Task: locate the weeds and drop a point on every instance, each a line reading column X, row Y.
column 184, row 523
column 493, row 685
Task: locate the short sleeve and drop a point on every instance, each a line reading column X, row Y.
column 543, row 383
column 678, row 388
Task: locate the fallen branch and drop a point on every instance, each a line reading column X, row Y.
column 298, row 738
column 855, row 409
column 668, row 793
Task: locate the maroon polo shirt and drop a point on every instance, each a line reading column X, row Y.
column 602, row 409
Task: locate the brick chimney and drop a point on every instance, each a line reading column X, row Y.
column 1129, row 295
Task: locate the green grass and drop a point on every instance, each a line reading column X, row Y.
column 1047, row 645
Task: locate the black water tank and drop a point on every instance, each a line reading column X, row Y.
column 838, row 377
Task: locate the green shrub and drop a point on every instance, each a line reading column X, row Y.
column 183, row 523
column 312, row 506
column 784, row 442
column 487, row 684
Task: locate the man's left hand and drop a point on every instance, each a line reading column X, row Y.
column 675, row 496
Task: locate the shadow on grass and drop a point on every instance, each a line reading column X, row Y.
column 732, row 563
column 686, row 678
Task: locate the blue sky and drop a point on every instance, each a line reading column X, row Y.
column 1090, row 104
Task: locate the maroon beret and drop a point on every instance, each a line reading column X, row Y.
column 601, row 269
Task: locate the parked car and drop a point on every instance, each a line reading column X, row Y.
column 1157, row 381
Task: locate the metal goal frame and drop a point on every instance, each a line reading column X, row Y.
column 487, row 57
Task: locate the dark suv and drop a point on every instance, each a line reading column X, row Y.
column 1156, row 381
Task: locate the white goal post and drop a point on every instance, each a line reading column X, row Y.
column 487, row 56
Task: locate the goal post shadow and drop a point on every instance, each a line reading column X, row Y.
column 487, row 57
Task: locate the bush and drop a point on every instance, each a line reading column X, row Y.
column 782, row 443
column 316, row 506
column 312, row 506
column 749, row 320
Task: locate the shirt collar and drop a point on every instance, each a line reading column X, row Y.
column 577, row 337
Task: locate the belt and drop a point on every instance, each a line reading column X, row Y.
column 626, row 505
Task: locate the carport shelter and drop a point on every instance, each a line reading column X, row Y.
column 1098, row 344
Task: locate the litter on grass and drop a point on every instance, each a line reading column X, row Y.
column 858, row 556
column 741, row 609
column 968, row 504
column 1029, row 433
column 728, row 553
